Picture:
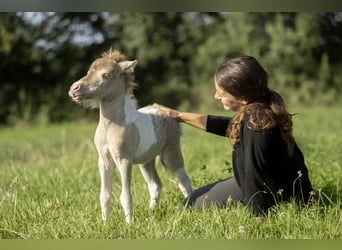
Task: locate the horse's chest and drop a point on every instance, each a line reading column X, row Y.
column 132, row 141
column 113, row 138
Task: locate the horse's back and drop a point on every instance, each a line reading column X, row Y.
column 162, row 122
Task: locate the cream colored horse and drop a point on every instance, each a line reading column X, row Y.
column 125, row 135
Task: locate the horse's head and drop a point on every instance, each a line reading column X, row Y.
column 108, row 76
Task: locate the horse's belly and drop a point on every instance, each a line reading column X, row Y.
column 147, row 136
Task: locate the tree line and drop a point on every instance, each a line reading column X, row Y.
column 177, row 52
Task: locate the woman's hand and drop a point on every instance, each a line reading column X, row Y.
column 169, row 112
column 192, row 119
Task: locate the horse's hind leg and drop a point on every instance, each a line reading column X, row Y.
column 184, row 183
column 172, row 158
column 152, row 179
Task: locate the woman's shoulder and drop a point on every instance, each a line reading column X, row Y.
column 258, row 132
column 260, row 120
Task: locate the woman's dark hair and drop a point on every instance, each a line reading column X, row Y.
column 245, row 79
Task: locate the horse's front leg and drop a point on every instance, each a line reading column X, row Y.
column 106, row 174
column 125, row 168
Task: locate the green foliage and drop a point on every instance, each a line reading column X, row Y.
column 50, row 187
column 42, row 54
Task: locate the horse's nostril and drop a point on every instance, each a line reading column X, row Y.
column 75, row 87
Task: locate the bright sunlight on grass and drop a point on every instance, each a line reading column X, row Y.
column 49, row 186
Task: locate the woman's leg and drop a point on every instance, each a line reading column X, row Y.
column 216, row 193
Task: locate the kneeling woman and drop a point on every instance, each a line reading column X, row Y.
column 267, row 162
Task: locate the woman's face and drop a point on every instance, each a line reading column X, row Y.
column 229, row 101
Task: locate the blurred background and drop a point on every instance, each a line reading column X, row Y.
column 42, row 54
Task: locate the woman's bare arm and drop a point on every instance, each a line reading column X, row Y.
column 195, row 120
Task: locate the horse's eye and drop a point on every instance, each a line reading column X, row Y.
column 105, row 76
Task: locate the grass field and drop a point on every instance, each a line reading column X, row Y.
column 49, row 187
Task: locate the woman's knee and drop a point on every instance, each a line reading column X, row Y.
column 219, row 193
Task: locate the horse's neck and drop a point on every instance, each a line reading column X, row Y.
column 118, row 110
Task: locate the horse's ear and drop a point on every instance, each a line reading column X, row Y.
column 128, row 66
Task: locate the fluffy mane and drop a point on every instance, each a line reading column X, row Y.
column 115, row 55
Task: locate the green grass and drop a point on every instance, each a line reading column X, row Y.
column 49, row 187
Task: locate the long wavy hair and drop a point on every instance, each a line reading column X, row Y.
column 245, row 79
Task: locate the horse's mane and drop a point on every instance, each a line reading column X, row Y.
column 115, row 55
